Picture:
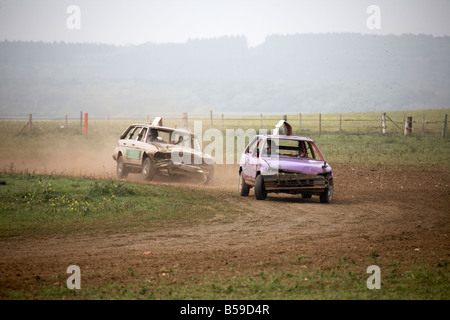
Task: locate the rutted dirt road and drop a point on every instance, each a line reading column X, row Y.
column 401, row 213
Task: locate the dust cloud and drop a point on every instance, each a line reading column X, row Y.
column 61, row 158
column 87, row 159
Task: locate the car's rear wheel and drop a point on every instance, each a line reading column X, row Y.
column 122, row 170
column 260, row 189
column 210, row 175
column 148, row 171
column 327, row 195
column 244, row 188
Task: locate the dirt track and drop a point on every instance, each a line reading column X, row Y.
column 401, row 213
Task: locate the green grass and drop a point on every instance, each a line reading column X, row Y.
column 376, row 149
column 319, row 284
column 341, row 280
column 306, row 124
column 37, row 204
column 388, row 150
column 345, row 122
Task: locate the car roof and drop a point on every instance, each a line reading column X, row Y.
column 161, row 127
column 286, row 137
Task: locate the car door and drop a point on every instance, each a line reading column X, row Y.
column 140, row 145
column 133, row 154
column 249, row 167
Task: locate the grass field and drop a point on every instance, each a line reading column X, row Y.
column 35, row 204
column 425, row 123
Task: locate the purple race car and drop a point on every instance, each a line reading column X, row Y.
column 285, row 164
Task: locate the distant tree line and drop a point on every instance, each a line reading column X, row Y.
column 285, row 74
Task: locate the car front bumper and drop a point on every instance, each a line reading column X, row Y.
column 294, row 182
column 183, row 169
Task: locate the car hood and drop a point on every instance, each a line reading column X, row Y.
column 170, row 148
column 297, row 165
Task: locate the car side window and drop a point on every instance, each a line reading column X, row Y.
column 251, row 146
column 270, row 148
column 255, row 148
column 302, row 150
column 311, row 153
column 134, row 132
column 142, row 135
column 126, row 133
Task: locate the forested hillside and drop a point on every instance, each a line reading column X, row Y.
column 286, row 74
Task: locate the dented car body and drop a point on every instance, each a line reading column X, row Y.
column 154, row 149
column 285, row 164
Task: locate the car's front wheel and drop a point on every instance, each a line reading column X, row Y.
column 122, row 170
column 327, row 195
column 260, row 189
column 243, row 188
column 148, row 171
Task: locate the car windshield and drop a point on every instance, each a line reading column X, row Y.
column 289, row 148
column 158, row 135
column 185, row 139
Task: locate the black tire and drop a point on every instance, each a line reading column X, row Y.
column 122, row 170
column 148, row 171
column 327, row 195
column 243, row 188
column 260, row 189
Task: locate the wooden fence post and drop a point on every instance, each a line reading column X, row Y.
column 408, row 126
column 261, row 121
column 222, row 122
column 29, row 123
column 320, row 123
column 383, row 123
column 211, row 118
column 423, row 125
column 300, row 122
column 184, row 120
column 85, row 123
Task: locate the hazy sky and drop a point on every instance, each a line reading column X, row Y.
column 139, row 21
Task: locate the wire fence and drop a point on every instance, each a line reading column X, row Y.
column 418, row 123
